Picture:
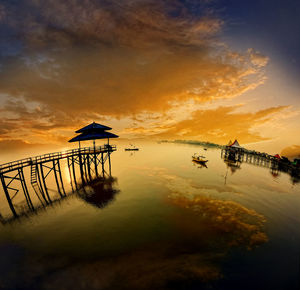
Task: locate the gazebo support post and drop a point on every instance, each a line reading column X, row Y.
column 102, row 162
column 95, row 161
column 89, row 166
column 109, row 164
column 81, row 169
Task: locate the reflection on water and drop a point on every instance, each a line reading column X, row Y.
column 234, row 158
column 237, row 225
column 199, row 165
column 99, row 192
column 173, row 226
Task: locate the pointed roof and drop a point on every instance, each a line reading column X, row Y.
column 93, row 126
column 235, row 144
column 93, row 136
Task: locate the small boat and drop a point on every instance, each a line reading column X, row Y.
column 132, row 148
column 199, row 158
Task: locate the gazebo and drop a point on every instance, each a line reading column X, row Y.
column 93, row 131
column 235, row 144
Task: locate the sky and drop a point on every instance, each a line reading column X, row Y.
column 209, row 70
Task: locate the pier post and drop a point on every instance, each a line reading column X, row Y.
column 44, row 182
column 102, row 163
column 7, row 196
column 95, row 161
column 109, row 162
column 68, row 162
column 73, row 169
column 25, row 189
column 81, row 168
column 89, row 166
column 85, row 156
column 56, row 178
column 60, row 177
column 40, row 183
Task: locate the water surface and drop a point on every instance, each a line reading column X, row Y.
column 161, row 222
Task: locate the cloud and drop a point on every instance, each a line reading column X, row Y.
column 12, row 145
column 122, row 82
column 221, row 124
column 291, row 151
column 257, row 58
column 83, row 60
column 130, row 23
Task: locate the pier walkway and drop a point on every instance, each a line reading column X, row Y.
column 275, row 164
column 83, row 162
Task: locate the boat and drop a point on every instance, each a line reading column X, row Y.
column 132, row 148
column 199, row 158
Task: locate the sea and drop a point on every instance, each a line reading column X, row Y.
column 157, row 220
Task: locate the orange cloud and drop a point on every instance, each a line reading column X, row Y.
column 291, row 151
column 12, row 145
column 83, row 61
column 121, row 59
column 221, row 124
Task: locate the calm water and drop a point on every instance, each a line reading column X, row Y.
column 163, row 222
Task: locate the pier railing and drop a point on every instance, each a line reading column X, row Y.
column 10, row 166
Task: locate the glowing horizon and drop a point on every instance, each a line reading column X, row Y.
column 167, row 70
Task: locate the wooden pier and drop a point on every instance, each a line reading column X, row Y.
column 89, row 161
column 260, row 159
column 255, row 158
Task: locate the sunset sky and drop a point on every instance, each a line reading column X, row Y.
column 210, row 70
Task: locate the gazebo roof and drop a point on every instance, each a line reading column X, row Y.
column 235, row 144
column 93, row 126
column 93, row 135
